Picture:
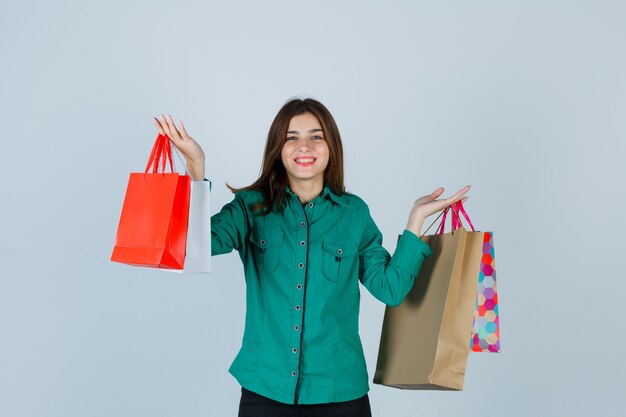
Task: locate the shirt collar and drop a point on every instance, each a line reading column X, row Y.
column 326, row 192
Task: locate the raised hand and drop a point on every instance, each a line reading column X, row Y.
column 428, row 204
column 189, row 148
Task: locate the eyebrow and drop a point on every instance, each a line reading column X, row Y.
column 297, row 132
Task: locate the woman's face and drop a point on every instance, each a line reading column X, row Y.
column 305, row 152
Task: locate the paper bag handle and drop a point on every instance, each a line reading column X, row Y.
column 456, row 220
column 161, row 153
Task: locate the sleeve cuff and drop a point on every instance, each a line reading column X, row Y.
column 424, row 247
column 410, row 252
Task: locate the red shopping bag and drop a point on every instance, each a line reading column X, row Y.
column 152, row 230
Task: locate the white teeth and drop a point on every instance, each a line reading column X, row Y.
column 305, row 160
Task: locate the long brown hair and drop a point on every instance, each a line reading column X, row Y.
column 273, row 178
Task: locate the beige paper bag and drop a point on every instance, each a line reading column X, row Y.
column 425, row 340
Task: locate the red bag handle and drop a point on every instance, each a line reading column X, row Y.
column 464, row 213
column 456, row 219
column 161, row 153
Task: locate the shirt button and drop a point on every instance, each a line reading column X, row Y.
column 297, row 307
column 293, row 373
column 302, row 243
column 302, row 224
column 299, row 286
column 296, row 327
column 262, row 242
column 339, row 251
column 310, row 205
column 294, row 350
column 300, row 265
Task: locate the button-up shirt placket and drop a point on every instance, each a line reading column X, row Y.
column 302, row 235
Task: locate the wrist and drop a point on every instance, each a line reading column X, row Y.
column 196, row 170
column 415, row 226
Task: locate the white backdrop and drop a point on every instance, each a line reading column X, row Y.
column 525, row 100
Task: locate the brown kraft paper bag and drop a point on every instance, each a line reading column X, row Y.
column 424, row 342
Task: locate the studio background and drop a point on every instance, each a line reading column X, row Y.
column 524, row 100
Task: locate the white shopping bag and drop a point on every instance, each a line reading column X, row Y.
column 198, row 251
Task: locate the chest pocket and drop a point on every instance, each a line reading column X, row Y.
column 337, row 259
column 267, row 244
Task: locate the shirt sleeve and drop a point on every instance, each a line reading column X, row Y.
column 229, row 227
column 389, row 278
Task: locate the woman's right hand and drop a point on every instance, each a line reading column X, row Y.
column 193, row 153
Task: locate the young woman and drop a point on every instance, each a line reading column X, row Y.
column 305, row 244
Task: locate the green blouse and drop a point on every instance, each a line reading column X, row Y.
column 302, row 268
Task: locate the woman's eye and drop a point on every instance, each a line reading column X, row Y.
column 316, row 137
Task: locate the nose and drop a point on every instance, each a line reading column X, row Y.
column 305, row 144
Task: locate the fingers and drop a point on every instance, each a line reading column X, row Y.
column 464, row 190
column 432, row 196
column 173, row 128
column 174, row 133
column 459, row 194
column 168, row 127
column 158, row 125
column 429, row 204
column 183, row 130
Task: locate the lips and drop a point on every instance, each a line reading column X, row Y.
column 305, row 161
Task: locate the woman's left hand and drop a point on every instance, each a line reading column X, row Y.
column 428, row 204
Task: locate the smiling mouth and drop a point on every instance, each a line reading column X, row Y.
column 305, row 161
